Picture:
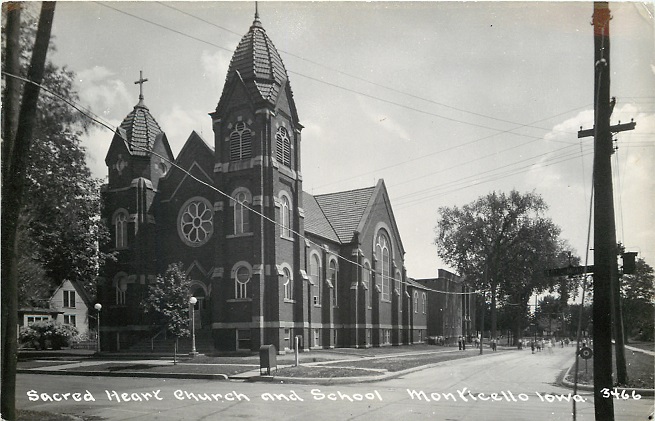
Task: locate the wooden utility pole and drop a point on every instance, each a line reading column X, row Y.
column 606, row 281
column 13, row 172
column 605, row 248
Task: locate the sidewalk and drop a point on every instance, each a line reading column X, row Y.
column 319, row 366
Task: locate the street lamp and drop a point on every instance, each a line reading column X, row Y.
column 98, row 307
column 192, row 302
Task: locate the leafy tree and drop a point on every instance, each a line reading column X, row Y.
column 59, row 217
column 168, row 300
column 501, row 242
column 638, row 292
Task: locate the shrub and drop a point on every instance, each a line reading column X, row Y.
column 42, row 335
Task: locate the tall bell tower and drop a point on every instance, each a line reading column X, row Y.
column 257, row 148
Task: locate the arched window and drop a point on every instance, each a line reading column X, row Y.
column 241, row 282
column 415, row 302
column 240, row 142
column 398, row 282
column 333, row 274
column 285, row 216
column 366, row 279
column 241, row 213
column 315, row 273
column 288, row 284
column 283, row 147
column 384, row 260
column 120, row 224
column 424, row 303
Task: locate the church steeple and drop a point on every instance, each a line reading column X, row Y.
column 141, row 128
column 258, row 64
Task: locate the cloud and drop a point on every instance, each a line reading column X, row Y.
column 214, row 68
column 178, row 123
column 103, row 93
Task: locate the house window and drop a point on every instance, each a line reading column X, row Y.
column 243, row 339
column 382, row 250
column 241, row 213
column 288, row 284
column 195, row 222
column 333, row 275
column 69, row 299
column 415, row 302
column 315, row 273
column 424, row 303
column 70, row 319
column 240, row 142
column 241, row 281
column 35, row 319
column 120, row 226
column 283, row 147
column 285, row 216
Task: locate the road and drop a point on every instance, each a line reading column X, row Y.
column 514, row 385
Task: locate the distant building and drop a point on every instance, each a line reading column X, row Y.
column 268, row 261
column 452, row 305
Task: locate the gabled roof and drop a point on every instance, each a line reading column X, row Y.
column 344, row 210
column 81, row 292
column 315, row 220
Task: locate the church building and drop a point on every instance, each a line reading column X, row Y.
column 267, row 261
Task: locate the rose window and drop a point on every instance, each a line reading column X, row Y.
column 195, row 225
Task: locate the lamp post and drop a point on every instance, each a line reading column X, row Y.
column 192, row 303
column 98, row 307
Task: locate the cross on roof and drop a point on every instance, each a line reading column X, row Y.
column 140, row 82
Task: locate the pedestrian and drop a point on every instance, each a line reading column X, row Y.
column 532, row 346
column 549, row 344
column 459, row 343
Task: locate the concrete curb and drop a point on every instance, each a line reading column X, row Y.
column 347, row 380
column 588, row 388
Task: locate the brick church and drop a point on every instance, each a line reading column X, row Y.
column 267, row 261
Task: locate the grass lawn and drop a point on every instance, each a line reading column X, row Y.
column 639, row 368
column 323, row 372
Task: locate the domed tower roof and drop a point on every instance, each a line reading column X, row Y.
column 140, row 126
column 257, row 62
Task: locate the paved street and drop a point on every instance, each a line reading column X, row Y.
column 512, row 385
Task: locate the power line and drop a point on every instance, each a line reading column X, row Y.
column 115, row 130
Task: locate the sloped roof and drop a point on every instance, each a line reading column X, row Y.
column 315, row 220
column 258, row 64
column 344, row 210
column 141, row 129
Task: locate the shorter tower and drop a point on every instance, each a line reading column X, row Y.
column 139, row 155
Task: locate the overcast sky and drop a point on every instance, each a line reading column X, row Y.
column 445, row 101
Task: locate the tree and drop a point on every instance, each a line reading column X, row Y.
column 59, row 215
column 168, row 300
column 638, row 292
column 500, row 242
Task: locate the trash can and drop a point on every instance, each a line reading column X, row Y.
column 267, row 358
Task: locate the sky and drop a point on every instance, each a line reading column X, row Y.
column 445, row 101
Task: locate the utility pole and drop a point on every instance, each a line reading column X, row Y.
column 13, row 173
column 605, row 250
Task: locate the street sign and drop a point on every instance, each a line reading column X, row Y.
column 569, row 271
column 586, row 352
